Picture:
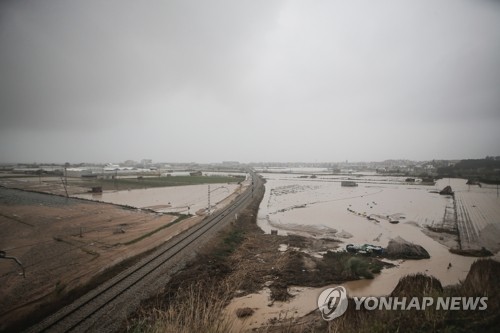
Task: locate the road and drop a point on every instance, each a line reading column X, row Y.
column 104, row 308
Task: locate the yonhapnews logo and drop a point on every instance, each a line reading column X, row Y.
column 333, row 303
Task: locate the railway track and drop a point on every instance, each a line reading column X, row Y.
column 83, row 314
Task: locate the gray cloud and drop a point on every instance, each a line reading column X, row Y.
column 248, row 80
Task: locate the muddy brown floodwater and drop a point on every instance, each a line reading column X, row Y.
column 321, row 207
column 167, row 199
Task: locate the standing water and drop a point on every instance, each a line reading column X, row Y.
column 322, row 207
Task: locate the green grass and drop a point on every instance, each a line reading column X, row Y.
column 147, row 182
column 232, row 240
column 359, row 267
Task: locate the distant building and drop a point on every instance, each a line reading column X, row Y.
column 348, row 183
column 111, row 167
column 146, row 162
column 26, row 170
column 196, row 173
column 230, row 163
column 428, row 181
column 77, row 172
column 130, row 163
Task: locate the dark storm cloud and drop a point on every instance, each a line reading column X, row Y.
column 68, row 60
column 249, row 80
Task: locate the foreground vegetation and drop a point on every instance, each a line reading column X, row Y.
column 197, row 308
column 200, row 306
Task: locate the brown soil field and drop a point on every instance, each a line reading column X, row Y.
column 64, row 243
column 52, row 185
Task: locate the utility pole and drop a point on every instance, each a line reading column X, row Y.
column 65, row 182
column 208, row 208
column 210, row 191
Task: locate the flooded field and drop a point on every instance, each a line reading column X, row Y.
column 319, row 207
column 178, row 199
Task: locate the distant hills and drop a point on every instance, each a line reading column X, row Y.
column 486, row 170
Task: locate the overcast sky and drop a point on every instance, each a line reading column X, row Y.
column 206, row 81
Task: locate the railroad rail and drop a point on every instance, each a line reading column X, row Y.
column 82, row 314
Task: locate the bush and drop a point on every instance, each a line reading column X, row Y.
column 359, row 267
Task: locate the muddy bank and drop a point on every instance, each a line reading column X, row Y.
column 305, row 230
column 482, row 252
column 450, row 240
column 399, row 248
